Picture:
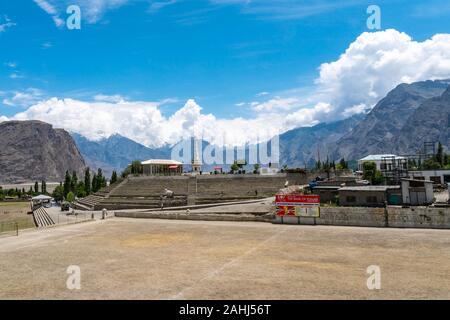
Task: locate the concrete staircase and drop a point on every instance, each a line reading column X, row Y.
column 88, row 203
column 42, row 219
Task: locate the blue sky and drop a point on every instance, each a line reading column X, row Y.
column 228, row 56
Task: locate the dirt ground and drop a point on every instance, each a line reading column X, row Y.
column 15, row 212
column 168, row 259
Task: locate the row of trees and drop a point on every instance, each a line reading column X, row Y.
column 16, row 193
column 440, row 160
column 80, row 188
column 135, row 168
column 328, row 165
column 22, row 193
column 73, row 187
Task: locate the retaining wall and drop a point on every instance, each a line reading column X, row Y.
column 395, row 217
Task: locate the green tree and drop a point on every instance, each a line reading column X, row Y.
column 36, row 187
column 342, row 165
column 81, row 190
column 70, row 197
column 440, row 154
column 126, row 172
column 431, row 164
column 256, row 168
column 113, row 177
column 318, row 165
column 446, row 160
column 379, row 179
column 136, row 167
column 234, row 167
column 101, row 180
column 371, row 173
column 43, row 187
column 94, row 183
column 58, row 193
column 67, row 183
column 74, row 182
column 87, row 181
column 333, row 165
column 369, row 169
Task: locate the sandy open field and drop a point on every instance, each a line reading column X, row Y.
column 165, row 259
column 15, row 212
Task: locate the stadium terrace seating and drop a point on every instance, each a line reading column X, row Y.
column 89, row 202
column 145, row 192
column 151, row 186
column 41, row 218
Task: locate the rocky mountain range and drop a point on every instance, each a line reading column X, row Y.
column 115, row 152
column 430, row 122
column 34, row 150
column 400, row 123
column 303, row 146
column 389, row 128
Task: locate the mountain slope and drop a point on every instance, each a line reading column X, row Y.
column 115, row 152
column 301, row 146
column 378, row 131
column 429, row 123
column 409, row 115
column 33, row 150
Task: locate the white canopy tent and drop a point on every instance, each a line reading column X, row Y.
column 42, row 197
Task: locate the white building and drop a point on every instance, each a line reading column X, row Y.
column 162, row 167
column 385, row 162
column 417, row 192
column 437, row 176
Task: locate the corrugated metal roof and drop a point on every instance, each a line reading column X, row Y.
column 368, row 188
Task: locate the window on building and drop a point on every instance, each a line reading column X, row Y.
column 436, row 180
column 351, row 199
column 371, row 199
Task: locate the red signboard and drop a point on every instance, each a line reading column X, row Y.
column 297, row 198
column 298, row 205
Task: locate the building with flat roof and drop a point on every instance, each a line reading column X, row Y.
column 384, row 161
column 162, row 167
column 392, row 167
column 440, row 176
column 326, row 193
column 417, row 192
column 367, row 196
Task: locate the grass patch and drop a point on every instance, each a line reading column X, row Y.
column 22, row 223
column 15, row 212
column 15, row 204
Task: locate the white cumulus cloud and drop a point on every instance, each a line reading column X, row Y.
column 375, row 63
column 371, row 66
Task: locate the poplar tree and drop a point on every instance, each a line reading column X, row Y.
column 87, row 181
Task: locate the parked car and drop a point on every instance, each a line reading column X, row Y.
column 65, row 206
